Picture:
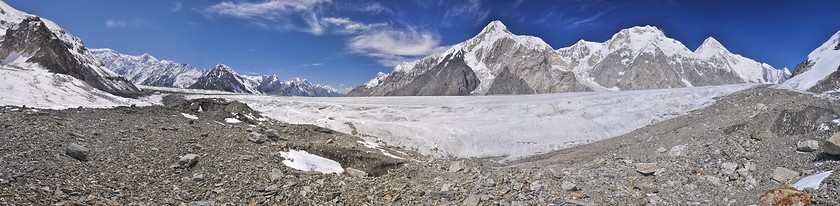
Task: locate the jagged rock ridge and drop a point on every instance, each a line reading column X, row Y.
column 635, row 58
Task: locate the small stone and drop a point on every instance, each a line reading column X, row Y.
column 275, row 175
column 188, row 160
column 271, row 188
column 472, row 200
column 273, row 135
column 353, row 172
column 255, row 137
column 457, row 166
column 489, row 182
column 647, row 188
column 676, row 151
column 784, row 195
column 661, row 150
column 832, row 144
column 202, row 203
column 784, row 175
column 198, row 177
column 646, row 168
column 808, row 146
column 536, row 186
column 442, row 194
column 750, row 166
column 78, row 152
column 728, row 168
column 714, row 180
column 568, row 186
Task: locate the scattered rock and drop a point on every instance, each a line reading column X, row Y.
column 472, row 200
column 784, row 175
column 188, row 161
column 255, row 137
column 808, row 146
column 676, row 151
column 202, row 203
column 457, row 166
column 646, row 168
column 661, row 150
column 275, row 175
column 578, row 203
column 356, row 173
column 832, row 144
column 785, row 195
column 77, row 152
column 273, row 135
column 568, row 186
column 442, row 194
column 536, row 186
column 645, row 187
column 489, row 182
column 198, row 177
column 728, row 168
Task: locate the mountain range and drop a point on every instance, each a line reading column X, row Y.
column 497, row 61
column 821, row 72
column 148, row 70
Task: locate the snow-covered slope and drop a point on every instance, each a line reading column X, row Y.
column 497, row 61
column 271, row 85
column 31, row 39
column 36, row 87
column 148, row 70
column 489, row 126
column 820, row 72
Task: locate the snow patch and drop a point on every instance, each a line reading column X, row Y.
column 302, row 160
column 812, row 181
column 232, row 120
column 189, row 116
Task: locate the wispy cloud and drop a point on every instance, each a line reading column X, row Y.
column 312, row 65
column 276, row 14
column 392, row 47
column 178, row 6
column 110, row 23
column 465, row 10
column 372, row 7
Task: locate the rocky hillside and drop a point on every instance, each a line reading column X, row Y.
column 821, row 72
column 497, row 61
column 35, row 42
column 223, row 78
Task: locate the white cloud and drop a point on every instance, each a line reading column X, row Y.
column 178, row 6
column 275, row 14
column 392, row 47
column 312, row 65
column 110, row 23
column 373, row 7
column 466, row 10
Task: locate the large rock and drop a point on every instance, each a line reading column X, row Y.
column 832, row 144
column 188, row 161
column 784, row 175
column 256, row 137
column 808, row 146
column 77, row 152
column 785, row 195
column 646, row 168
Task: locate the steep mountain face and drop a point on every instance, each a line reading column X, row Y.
column 271, row 85
column 634, row 58
column 821, row 72
column 223, row 78
column 38, row 42
column 147, row 70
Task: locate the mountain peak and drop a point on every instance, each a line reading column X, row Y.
column 495, row 26
column 710, row 47
column 223, row 67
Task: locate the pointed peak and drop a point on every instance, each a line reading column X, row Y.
column 495, row 26
column 643, row 29
column 223, row 67
column 710, row 47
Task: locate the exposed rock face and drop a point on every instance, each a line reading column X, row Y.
column 223, row 78
column 148, row 70
column 37, row 41
column 635, row 58
column 831, row 83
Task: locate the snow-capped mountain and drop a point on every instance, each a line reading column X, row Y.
column 223, row 78
column 148, row 70
column 145, row 69
column 30, row 41
column 497, row 61
column 821, row 72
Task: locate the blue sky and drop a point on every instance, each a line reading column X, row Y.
column 344, row 43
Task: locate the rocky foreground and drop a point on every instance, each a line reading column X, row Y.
column 214, row 152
